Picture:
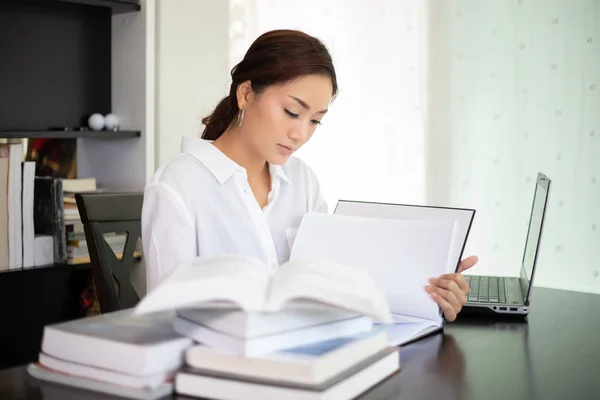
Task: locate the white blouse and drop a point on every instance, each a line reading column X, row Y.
column 200, row 204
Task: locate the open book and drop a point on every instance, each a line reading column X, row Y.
column 399, row 254
column 242, row 282
column 463, row 217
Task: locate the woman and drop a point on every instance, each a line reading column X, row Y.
column 237, row 190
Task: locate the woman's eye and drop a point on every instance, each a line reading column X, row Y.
column 291, row 114
column 316, row 122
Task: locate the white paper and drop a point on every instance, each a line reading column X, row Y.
column 464, row 218
column 400, row 255
column 401, row 333
column 239, row 280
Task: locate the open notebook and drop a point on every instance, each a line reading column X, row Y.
column 400, row 250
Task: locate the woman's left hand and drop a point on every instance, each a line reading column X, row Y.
column 450, row 290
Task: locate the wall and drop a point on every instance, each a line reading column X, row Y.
column 192, row 70
column 182, row 61
column 125, row 164
column 515, row 89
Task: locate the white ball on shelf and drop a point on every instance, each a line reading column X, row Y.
column 111, row 121
column 96, row 122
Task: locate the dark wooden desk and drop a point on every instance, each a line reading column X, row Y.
column 554, row 354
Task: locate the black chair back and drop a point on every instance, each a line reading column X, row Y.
column 103, row 213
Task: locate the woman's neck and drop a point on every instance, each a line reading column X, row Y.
column 232, row 145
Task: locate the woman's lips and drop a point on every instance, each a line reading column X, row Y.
column 287, row 150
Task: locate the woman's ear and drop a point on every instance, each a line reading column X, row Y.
column 244, row 94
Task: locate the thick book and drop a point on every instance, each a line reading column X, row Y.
column 60, row 386
column 4, row 246
column 15, row 228
column 118, row 342
column 347, row 385
column 400, row 255
column 311, row 364
column 242, row 324
column 27, row 206
column 246, row 283
column 273, row 342
column 48, row 214
column 151, row 381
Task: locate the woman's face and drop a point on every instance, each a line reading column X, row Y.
column 278, row 121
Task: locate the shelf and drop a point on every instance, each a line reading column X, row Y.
column 76, row 267
column 57, row 134
column 117, row 6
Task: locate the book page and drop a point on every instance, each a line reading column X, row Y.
column 211, row 282
column 328, row 284
column 400, row 255
column 463, row 216
column 400, row 333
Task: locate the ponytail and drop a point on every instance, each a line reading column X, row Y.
column 220, row 119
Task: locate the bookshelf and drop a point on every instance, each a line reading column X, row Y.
column 68, row 134
column 63, row 60
column 33, row 270
column 116, row 6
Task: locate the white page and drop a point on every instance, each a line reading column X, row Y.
column 402, row 332
column 415, row 212
column 330, row 284
column 400, row 255
column 227, row 282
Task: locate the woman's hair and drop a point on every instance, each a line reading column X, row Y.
column 276, row 57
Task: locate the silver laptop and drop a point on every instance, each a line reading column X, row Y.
column 512, row 295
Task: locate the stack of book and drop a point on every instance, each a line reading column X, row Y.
column 305, row 331
column 340, row 368
column 228, row 327
column 117, row 353
column 70, row 187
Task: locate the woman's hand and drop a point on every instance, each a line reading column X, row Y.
column 450, row 290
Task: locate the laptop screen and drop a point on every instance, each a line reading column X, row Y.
column 536, row 221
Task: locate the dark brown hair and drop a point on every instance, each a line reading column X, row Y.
column 276, row 57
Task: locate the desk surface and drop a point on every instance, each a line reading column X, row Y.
column 554, row 354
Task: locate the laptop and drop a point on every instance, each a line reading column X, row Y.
column 512, row 295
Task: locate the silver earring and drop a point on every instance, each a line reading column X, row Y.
column 240, row 117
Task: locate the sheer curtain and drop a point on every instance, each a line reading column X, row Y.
column 517, row 86
column 371, row 143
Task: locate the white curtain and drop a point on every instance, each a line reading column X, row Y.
column 461, row 103
column 517, row 90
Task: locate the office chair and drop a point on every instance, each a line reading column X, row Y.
column 106, row 213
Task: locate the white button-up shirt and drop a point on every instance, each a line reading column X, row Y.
column 200, row 204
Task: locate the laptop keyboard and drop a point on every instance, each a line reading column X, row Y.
column 486, row 289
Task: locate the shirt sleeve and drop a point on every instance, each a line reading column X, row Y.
column 168, row 233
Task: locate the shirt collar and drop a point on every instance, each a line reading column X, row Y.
column 221, row 166
column 277, row 171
